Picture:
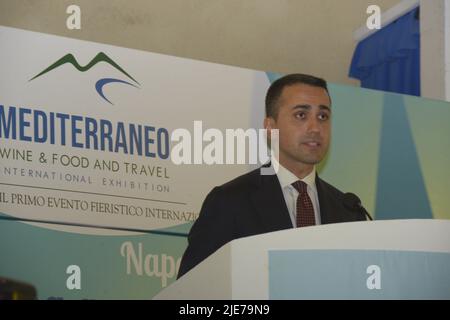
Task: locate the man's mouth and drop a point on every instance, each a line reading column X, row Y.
column 312, row 144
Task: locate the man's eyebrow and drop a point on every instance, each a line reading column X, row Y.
column 324, row 107
column 302, row 106
column 308, row 107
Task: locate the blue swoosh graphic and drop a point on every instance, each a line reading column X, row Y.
column 102, row 82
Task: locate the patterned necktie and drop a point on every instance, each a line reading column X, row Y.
column 305, row 209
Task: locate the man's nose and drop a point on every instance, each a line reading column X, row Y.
column 313, row 125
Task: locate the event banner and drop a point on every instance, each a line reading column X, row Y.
column 107, row 153
column 88, row 131
column 100, row 136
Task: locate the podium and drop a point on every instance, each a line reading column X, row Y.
column 390, row 259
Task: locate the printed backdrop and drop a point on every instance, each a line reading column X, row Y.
column 85, row 157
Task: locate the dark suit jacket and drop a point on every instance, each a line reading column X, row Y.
column 248, row 205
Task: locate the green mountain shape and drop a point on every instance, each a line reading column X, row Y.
column 69, row 58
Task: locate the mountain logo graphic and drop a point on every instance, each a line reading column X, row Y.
column 100, row 57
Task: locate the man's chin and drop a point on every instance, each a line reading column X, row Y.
column 302, row 159
column 310, row 160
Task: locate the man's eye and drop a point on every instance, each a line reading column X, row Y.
column 300, row 115
column 323, row 116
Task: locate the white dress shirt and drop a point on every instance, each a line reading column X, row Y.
column 286, row 178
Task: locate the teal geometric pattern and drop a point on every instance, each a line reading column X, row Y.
column 273, row 76
column 401, row 191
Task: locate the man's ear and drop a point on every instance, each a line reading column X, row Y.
column 269, row 123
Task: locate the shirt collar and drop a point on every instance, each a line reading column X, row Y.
column 287, row 178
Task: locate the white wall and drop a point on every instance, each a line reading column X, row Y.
column 435, row 49
column 447, row 50
column 311, row 36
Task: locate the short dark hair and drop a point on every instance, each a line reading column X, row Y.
column 276, row 89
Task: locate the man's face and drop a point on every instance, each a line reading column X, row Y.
column 304, row 125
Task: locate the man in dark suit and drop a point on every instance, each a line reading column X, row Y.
column 299, row 106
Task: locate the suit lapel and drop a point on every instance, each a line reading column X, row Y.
column 323, row 202
column 328, row 206
column 270, row 204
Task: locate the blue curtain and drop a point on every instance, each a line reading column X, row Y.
column 389, row 60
